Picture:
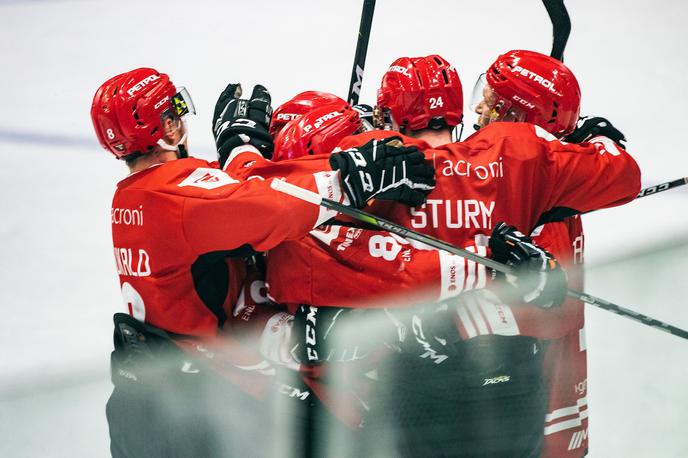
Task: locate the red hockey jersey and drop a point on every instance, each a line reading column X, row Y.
column 512, row 172
column 565, row 360
column 175, row 227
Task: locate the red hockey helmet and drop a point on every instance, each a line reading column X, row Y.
column 422, row 92
column 533, row 87
column 299, row 105
column 316, row 132
column 129, row 110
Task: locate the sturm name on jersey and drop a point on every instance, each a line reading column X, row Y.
column 127, row 216
column 453, row 214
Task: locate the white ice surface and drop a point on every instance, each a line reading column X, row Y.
column 58, row 287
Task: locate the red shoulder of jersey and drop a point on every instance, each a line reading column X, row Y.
column 353, row 141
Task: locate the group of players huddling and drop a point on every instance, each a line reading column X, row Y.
column 241, row 298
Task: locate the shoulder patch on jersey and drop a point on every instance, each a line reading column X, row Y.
column 207, row 178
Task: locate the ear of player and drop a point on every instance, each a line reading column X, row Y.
column 239, row 121
column 538, row 279
column 384, row 169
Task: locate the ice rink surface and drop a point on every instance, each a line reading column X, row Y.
column 58, row 286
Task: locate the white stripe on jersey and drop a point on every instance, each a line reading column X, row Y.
column 501, row 319
column 580, row 411
column 466, row 321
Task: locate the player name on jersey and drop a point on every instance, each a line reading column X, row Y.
column 454, row 214
column 127, row 259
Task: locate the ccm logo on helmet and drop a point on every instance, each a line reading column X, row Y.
column 535, row 77
column 161, row 103
column 141, row 84
column 523, row 102
column 399, row 69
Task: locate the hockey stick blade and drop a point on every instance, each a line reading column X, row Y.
column 561, row 26
column 316, row 199
column 361, row 51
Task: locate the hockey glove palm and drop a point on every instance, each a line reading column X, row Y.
column 539, row 279
column 591, row 127
column 238, row 121
column 383, row 170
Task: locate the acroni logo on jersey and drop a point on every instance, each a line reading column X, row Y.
column 463, row 168
column 127, row 216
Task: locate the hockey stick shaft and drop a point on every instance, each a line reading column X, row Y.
column 639, row 317
column 316, row 199
column 561, row 26
column 361, row 51
column 662, row 187
column 652, row 190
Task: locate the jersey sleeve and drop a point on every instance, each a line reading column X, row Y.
column 587, row 176
column 482, row 313
column 348, row 266
column 227, row 214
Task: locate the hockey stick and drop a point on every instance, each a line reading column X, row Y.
column 561, row 26
column 662, row 187
column 655, row 190
column 316, row 199
column 361, row 51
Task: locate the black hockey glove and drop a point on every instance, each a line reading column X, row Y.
column 428, row 332
column 238, row 121
column 539, row 279
column 590, row 127
column 365, row 112
column 385, row 170
column 328, row 334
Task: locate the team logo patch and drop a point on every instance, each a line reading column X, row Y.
column 207, row 178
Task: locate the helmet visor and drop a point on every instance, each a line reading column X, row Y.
column 182, row 103
column 490, row 106
column 173, row 122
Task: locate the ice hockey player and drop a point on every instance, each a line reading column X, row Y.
column 486, row 169
column 516, row 87
column 356, row 253
column 298, row 105
column 182, row 230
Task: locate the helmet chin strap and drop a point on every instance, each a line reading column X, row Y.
column 182, row 153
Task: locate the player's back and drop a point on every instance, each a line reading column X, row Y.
column 155, row 261
column 517, row 173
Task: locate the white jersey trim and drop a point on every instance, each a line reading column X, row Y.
column 329, row 187
column 580, row 410
column 240, row 150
